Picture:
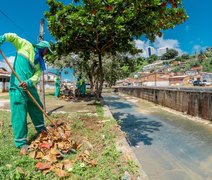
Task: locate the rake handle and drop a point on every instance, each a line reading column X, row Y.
column 30, row 95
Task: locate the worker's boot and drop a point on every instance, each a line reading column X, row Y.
column 24, row 150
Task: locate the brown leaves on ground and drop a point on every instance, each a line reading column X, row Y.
column 67, row 97
column 52, row 147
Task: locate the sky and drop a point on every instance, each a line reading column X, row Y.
column 193, row 35
column 23, row 18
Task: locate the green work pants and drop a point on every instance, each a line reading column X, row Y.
column 20, row 104
column 57, row 91
column 83, row 89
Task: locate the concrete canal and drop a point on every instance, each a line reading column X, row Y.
column 168, row 146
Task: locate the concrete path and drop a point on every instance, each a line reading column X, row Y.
column 168, row 146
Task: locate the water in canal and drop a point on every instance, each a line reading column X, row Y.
column 167, row 145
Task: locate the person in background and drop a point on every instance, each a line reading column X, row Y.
column 28, row 65
column 57, row 86
column 81, row 86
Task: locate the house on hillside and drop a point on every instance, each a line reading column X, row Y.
column 197, row 69
column 179, row 80
column 155, row 79
column 4, row 79
column 207, row 77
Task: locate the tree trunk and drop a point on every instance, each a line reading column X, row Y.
column 100, row 79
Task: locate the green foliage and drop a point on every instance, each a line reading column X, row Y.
column 99, row 109
column 185, row 56
column 176, row 69
column 100, row 27
column 108, row 26
column 178, row 59
column 194, row 63
column 187, row 66
column 152, row 58
column 201, row 56
column 170, row 54
column 207, row 65
column 208, row 52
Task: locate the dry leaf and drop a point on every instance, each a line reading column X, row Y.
column 50, row 157
column 54, row 151
column 45, row 145
column 67, row 164
column 24, row 151
column 61, row 173
column 39, row 155
column 32, row 154
column 43, row 165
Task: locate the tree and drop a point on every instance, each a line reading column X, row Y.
column 170, row 54
column 178, row 58
column 201, row 56
column 152, row 58
column 208, row 52
column 176, row 69
column 207, row 65
column 185, row 56
column 109, row 26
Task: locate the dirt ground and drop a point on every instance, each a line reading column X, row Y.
column 56, row 105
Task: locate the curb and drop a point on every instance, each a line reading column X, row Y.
column 123, row 145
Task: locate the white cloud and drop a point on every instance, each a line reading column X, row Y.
column 169, row 43
column 141, row 45
column 197, row 48
column 159, row 42
column 4, row 64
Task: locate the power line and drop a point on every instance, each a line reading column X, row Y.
column 13, row 22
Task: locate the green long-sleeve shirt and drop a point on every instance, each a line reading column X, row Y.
column 26, row 50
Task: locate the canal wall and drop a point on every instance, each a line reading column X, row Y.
column 195, row 102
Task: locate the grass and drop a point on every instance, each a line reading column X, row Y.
column 99, row 108
column 99, row 134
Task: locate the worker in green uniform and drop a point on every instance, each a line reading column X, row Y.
column 57, row 86
column 28, row 65
column 82, row 87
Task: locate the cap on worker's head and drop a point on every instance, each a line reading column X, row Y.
column 44, row 44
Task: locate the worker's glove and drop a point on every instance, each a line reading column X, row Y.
column 2, row 39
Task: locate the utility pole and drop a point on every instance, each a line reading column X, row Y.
column 42, row 89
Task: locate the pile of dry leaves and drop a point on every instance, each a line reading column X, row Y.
column 67, row 98
column 51, row 149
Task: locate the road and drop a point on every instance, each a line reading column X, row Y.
column 167, row 145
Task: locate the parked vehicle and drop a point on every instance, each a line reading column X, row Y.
column 206, row 83
column 198, row 83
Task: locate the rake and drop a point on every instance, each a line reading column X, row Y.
column 27, row 91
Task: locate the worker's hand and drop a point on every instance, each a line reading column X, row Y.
column 23, row 85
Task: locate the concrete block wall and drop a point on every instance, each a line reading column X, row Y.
column 193, row 102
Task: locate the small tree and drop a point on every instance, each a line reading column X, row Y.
column 185, row 56
column 201, row 56
column 170, row 54
column 208, row 52
column 152, row 58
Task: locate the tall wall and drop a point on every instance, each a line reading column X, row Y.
column 195, row 102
